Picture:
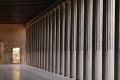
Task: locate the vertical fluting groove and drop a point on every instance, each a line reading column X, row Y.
column 62, row 39
column 97, row 39
column 88, row 39
column 109, row 26
column 54, row 41
column 67, row 36
column 80, row 40
column 58, row 39
column 73, row 38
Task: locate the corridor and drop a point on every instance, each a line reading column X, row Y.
column 24, row 72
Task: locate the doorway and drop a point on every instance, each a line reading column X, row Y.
column 16, row 55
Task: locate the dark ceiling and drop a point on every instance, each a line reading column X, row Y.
column 21, row 11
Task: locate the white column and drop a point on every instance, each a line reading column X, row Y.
column 58, row 39
column 109, row 33
column 97, row 39
column 62, row 38
column 88, row 39
column 67, row 36
column 73, row 38
column 80, row 42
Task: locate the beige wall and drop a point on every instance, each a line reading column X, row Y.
column 12, row 32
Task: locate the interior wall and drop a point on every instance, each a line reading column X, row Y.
column 12, row 32
column 12, row 35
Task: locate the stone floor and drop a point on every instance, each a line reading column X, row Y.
column 25, row 72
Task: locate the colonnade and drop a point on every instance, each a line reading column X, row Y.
column 77, row 38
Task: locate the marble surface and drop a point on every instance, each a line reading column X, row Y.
column 25, row 72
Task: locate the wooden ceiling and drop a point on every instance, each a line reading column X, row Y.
column 21, row 11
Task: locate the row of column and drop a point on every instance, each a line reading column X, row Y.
column 76, row 39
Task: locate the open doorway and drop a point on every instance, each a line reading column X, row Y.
column 16, row 55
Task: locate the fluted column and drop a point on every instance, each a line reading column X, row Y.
column 73, row 38
column 67, row 36
column 54, row 41
column 47, row 41
column 88, row 39
column 109, row 33
column 97, row 39
column 42, row 43
column 50, row 40
column 80, row 40
column 58, row 39
column 62, row 38
column 44, row 53
column 117, row 41
column 32, row 46
column 39, row 41
column 30, row 35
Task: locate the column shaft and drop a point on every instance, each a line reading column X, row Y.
column 67, row 37
column 109, row 27
column 42, row 43
column 88, row 39
column 74, row 38
column 80, row 42
column 58, row 40
column 54, row 41
column 117, row 41
column 97, row 39
column 47, row 41
column 62, row 39
column 50, row 44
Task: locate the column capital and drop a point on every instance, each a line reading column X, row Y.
column 47, row 14
column 58, row 7
column 54, row 9
column 67, row 1
column 63, row 4
column 50, row 12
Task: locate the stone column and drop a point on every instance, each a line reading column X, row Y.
column 30, row 37
column 80, row 42
column 39, row 42
column 44, row 53
column 35, row 48
column 67, row 36
column 73, row 38
column 109, row 33
column 42, row 43
column 117, row 41
column 32, row 46
column 54, row 41
column 88, row 39
column 50, row 44
column 47, row 41
column 97, row 39
column 58, row 39
column 62, row 39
